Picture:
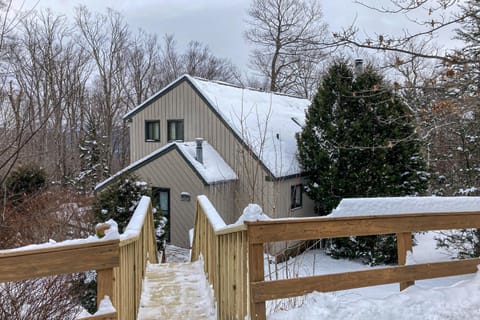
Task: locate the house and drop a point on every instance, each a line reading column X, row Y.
column 235, row 145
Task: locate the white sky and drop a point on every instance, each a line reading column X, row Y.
column 219, row 23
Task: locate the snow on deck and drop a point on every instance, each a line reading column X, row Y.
column 176, row 291
column 404, row 205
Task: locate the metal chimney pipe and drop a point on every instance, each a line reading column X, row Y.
column 199, row 150
column 358, row 66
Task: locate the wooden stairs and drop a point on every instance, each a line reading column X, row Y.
column 176, row 291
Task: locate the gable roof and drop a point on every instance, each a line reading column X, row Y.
column 213, row 169
column 265, row 122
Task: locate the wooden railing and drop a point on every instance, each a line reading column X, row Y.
column 224, row 253
column 317, row 228
column 137, row 247
column 120, row 263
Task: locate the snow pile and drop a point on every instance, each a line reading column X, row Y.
column 104, row 308
column 404, row 205
column 456, row 297
column 460, row 301
column 252, row 212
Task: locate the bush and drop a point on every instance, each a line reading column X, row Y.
column 374, row 250
column 25, row 180
column 463, row 244
column 118, row 202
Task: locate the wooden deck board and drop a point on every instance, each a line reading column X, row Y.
column 176, row 291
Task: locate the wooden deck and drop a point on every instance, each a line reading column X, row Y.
column 176, row 291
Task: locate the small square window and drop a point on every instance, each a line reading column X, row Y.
column 175, row 130
column 296, row 196
column 152, row 130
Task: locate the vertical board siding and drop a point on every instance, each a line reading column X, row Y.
column 183, row 102
column 172, row 172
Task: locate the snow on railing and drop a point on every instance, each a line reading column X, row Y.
column 121, row 257
column 224, row 252
column 137, row 220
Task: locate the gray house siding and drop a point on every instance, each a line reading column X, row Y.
column 172, row 172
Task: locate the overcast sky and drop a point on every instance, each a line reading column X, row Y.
column 218, row 23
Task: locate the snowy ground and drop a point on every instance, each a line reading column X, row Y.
column 444, row 298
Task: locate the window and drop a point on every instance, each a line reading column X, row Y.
column 175, row 130
column 296, row 196
column 152, row 130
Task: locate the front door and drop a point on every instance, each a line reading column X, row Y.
column 163, row 196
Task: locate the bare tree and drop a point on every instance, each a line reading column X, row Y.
column 13, row 126
column 50, row 73
column 286, row 34
column 106, row 38
column 197, row 60
column 143, row 69
column 428, row 18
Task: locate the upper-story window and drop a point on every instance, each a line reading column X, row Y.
column 152, row 130
column 175, row 130
column 296, row 196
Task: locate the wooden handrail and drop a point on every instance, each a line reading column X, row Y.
column 137, row 248
column 316, row 228
column 120, row 263
column 16, row 265
column 224, row 253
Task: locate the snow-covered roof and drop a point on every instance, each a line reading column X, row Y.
column 267, row 122
column 404, row 205
column 213, row 169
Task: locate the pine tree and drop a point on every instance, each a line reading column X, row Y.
column 94, row 168
column 119, row 201
column 359, row 141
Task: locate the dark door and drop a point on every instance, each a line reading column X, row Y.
column 163, row 196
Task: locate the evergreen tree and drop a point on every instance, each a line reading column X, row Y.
column 119, row 201
column 359, row 141
column 94, row 168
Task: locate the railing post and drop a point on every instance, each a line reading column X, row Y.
column 256, row 273
column 105, row 285
column 404, row 244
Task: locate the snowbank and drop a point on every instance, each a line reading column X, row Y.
column 460, row 301
column 404, row 205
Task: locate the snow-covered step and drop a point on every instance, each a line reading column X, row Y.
column 176, row 291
